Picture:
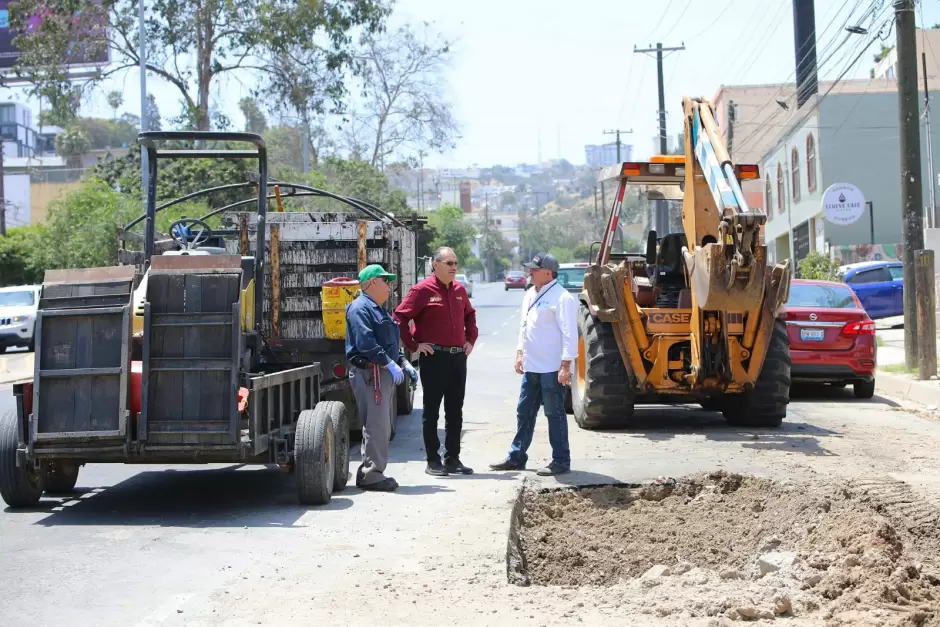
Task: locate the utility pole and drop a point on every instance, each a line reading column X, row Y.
column 144, row 122
column 912, row 223
column 662, row 218
column 3, row 198
column 617, row 133
column 932, row 212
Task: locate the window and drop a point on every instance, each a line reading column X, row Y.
column 795, row 174
column 8, row 114
column 571, row 277
column 897, row 272
column 825, row 296
column 769, row 198
column 810, row 163
column 17, row 299
column 779, row 188
column 876, row 275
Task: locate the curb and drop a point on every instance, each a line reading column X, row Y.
column 922, row 392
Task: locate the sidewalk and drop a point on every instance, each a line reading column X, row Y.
column 891, row 380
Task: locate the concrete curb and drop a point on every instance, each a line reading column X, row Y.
column 895, row 386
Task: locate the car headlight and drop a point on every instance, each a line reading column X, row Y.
column 20, row 318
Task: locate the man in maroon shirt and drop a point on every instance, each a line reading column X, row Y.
column 445, row 332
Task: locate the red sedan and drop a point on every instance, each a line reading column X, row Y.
column 832, row 339
column 515, row 280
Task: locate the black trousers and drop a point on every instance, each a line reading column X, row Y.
column 443, row 377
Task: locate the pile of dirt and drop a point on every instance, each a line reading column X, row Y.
column 742, row 548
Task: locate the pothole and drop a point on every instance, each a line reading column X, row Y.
column 738, row 548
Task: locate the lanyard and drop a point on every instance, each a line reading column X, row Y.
column 544, row 292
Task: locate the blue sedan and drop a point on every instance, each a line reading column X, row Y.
column 879, row 285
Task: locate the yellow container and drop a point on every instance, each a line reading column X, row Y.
column 336, row 296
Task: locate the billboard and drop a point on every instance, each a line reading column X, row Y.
column 89, row 47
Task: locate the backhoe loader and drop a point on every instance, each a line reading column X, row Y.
column 699, row 318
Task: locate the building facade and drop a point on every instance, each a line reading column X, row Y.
column 599, row 156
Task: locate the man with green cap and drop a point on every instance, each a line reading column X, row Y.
column 372, row 338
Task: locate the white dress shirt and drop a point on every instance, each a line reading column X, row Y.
column 548, row 332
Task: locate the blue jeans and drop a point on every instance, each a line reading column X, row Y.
column 540, row 389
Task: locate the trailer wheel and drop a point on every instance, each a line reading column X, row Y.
column 406, row 397
column 19, row 486
column 337, row 413
column 60, row 477
column 766, row 404
column 601, row 396
column 314, row 456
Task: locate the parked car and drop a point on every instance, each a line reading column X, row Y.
column 18, row 307
column 467, row 283
column 879, row 285
column 515, row 279
column 832, row 337
column 571, row 276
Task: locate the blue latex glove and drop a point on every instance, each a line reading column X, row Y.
column 412, row 373
column 397, row 374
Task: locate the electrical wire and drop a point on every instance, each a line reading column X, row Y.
column 661, row 18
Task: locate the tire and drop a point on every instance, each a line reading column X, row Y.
column 314, row 456
column 711, row 404
column 766, row 404
column 863, row 389
column 337, row 413
column 601, row 395
column 60, row 477
column 19, row 487
column 406, row 397
column 3, row 349
column 507, row 288
column 569, row 407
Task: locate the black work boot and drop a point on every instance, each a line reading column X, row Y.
column 436, row 469
column 454, row 467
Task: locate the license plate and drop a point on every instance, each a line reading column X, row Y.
column 812, row 335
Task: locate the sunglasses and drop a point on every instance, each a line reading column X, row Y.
column 450, row 263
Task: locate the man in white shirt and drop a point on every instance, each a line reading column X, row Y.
column 548, row 340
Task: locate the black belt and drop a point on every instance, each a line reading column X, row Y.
column 447, row 349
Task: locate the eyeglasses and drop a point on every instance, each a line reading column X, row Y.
column 450, row 263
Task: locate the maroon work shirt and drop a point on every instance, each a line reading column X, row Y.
column 442, row 315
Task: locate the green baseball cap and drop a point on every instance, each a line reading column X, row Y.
column 375, row 271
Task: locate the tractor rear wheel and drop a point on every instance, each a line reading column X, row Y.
column 766, row 404
column 601, row 396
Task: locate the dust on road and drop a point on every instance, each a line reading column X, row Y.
column 741, row 548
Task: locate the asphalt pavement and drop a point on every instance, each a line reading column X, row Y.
column 229, row 545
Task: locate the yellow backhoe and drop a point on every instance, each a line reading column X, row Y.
column 699, row 317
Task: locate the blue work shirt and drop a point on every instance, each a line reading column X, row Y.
column 371, row 332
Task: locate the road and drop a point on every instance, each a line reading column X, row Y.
column 228, row 545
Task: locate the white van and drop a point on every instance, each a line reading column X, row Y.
column 18, row 307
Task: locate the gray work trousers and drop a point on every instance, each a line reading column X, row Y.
column 376, row 422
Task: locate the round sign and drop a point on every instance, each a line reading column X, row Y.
column 843, row 203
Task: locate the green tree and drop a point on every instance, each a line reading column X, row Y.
column 360, row 180
column 220, row 38
column 72, row 143
column 818, row 267
column 453, row 231
column 255, row 122
column 21, row 261
column 115, row 100
column 109, row 134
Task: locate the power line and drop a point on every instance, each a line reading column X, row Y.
column 661, row 18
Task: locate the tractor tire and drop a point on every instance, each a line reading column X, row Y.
column 406, row 397
column 315, row 455
column 337, row 413
column 60, row 477
column 766, row 404
column 601, row 395
column 19, row 487
column 711, row 404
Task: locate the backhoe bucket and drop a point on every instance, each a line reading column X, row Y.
column 721, row 286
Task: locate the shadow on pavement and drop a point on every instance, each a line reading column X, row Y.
column 809, row 393
column 218, row 497
column 659, row 423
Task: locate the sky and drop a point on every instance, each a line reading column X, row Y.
column 534, row 79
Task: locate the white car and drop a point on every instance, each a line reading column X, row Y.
column 18, row 307
column 467, row 283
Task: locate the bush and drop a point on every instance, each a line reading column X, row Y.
column 818, row 267
column 20, row 256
